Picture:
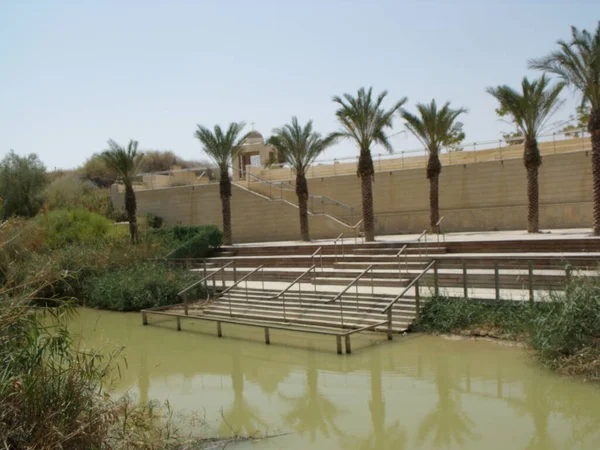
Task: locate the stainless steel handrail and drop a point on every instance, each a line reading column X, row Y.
column 335, row 241
column 320, row 252
column 351, row 284
column 439, row 230
column 355, row 228
column 407, row 288
column 423, row 234
column 405, row 259
column 241, row 279
column 294, row 282
column 205, row 278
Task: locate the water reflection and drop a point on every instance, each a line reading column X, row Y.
column 419, row 392
column 393, row 436
column 312, row 412
column 241, row 418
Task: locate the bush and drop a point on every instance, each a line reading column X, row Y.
column 22, row 182
column 154, row 221
column 65, row 227
column 70, row 192
column 146, row 285
column 198, row 241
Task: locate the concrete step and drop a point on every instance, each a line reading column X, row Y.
column 377, row 282
column 319, row 319
column 393, row 251
column 363, row 305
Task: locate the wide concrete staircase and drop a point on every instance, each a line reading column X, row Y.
column 343, row 287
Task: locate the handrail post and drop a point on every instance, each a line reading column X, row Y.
column 204, row 267
column 284, row 319
column 389, row 324
column 262, row 277
column 372, row 283
column 234, row 271
column 417, row 298
column 185, row 304
column 436, row 280
column 497, row 281
column 314, row 271
column 300, row 292
column 465, row 285
column 530, row 267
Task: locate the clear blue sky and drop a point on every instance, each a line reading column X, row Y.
column 75, row 73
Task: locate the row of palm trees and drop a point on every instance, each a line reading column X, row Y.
column 364, row 120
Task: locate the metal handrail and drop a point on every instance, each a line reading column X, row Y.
column 423, row 234
column 407, row 288
column 438, row 230
column 335, row 241
column 351, row 284
column 320, row 251
column 405, row 258
column 293, row 283
column 241, row 279
column 205, row 278
column 355, row 228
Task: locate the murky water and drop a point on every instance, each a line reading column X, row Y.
column 416, row 392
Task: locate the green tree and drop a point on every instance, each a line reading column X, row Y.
column 577, row 63
column 530, row 110
column 22, row 183
column 126, row 163
column 581, row 119
column 436, row 129
column 222, row 148
column 364, row 121
column 299, row 146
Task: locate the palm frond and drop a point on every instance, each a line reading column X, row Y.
column 576, row 63
column 531, row 108
column 125, row 161
column 363, row 119
column 434, row 128
column 221, row 147
column 299, row 145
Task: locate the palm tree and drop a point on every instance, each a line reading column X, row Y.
column 126, row 163
column 364, row 120
column 299, row 146
column 577, row 63
column 435, row 129
column 530, row 110
column 222, row 148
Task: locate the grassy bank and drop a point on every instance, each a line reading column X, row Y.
column 564, row 332
column 89, row 259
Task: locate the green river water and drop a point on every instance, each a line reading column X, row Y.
column 416, row 392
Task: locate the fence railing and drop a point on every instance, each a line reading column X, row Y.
column 244, row 278
column 354, row 282
column 204, row 280
column 293, row 283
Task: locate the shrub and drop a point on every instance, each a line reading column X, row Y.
column 154, row 221
column 70, row 192
column 22, row 182
column 142, row 286
column 73, row 226
column 567, row 336
column 198, row 241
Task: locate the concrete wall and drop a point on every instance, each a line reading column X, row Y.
column 477, row 196
column 254, row 218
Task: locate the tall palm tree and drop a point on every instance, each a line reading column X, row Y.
column 223, row 148
column 299, row 146
column 577, row 63
column 436, row 129
column 126, row 163
column 530, row 109
column 364, row 120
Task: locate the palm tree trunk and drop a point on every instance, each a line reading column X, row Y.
column 366, row 172
column 434, row 203
column 594, row 129
column 302, row 193
column 131, row 207
column 434, row 168
column 532, row 160
column 225, row 192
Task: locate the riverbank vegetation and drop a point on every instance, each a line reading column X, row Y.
column 563, row 332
